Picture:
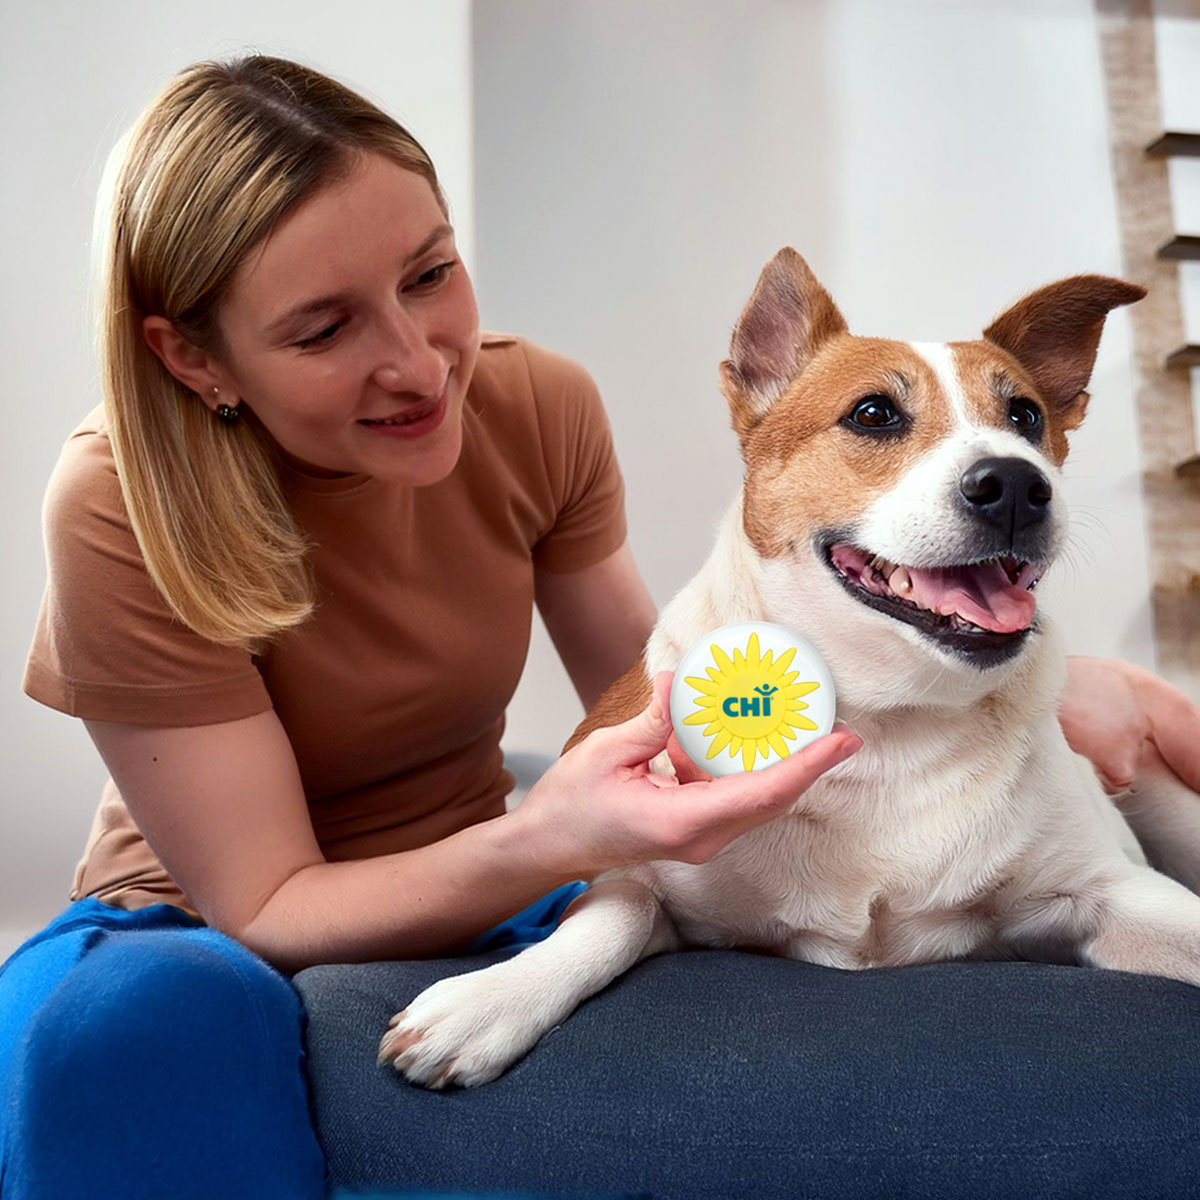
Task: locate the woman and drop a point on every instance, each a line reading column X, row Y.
column 292, row 564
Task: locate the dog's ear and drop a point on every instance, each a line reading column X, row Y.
column 787, row 318
column 1053, row 333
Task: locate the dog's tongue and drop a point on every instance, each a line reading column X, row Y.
column 982, row 593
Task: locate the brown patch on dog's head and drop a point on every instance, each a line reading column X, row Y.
column 807, row 466
column 1000, row 392
column 1053, row 333
column 794, row 375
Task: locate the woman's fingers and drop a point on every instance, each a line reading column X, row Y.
column 686, row 771
column 1109, row 735
column 774, row 789
column 767, row 791
column 599, row 795
column 1174, row 720
column 635, row 741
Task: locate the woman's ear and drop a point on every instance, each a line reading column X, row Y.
column 188, row 364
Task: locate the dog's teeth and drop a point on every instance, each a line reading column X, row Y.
column 957, row 621
column 900, row 581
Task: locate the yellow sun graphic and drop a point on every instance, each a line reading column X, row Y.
column 750, row 703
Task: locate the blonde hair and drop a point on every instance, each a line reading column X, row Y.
column 202, row 176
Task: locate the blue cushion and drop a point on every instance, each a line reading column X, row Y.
column 724, row 1074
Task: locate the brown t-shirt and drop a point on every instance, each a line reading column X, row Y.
column 393, row 692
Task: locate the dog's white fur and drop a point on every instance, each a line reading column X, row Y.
column 965, row 827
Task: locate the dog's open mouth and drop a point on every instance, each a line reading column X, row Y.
column 977, row 605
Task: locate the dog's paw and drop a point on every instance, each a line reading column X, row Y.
column 463, row 1031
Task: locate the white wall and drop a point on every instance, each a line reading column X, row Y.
column 934, row 160
column 72, row 78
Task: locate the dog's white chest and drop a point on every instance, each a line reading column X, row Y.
column 868, row 873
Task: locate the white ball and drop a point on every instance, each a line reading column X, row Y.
column 755, row 689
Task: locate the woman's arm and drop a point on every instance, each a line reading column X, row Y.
column 598, row 618
column 223, row 808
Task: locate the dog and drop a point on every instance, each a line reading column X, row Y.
column 900, row 503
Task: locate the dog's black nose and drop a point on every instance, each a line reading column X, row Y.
column 1010, row 493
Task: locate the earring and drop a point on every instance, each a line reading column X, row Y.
column 227, row 414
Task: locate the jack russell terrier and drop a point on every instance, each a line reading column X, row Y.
column 900, row 503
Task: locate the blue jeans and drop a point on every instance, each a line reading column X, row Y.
column 145, row 1055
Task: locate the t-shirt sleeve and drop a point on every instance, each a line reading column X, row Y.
column 106, row 645
column 581, row 465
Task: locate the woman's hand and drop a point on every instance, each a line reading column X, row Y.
column 1126, row 719
column 601, row 807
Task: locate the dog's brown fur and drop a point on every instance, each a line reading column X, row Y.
column 624, row 699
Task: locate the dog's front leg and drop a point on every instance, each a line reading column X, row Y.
column 1132, row 919
column 1147, row 923
column 1165, row 815
column 468, row 1029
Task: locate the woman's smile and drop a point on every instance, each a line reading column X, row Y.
column 413, row 423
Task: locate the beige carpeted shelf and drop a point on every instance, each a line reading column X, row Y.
column 1151, row 250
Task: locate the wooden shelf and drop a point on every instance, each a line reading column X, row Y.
column 1175, row 145
column 1181, row 246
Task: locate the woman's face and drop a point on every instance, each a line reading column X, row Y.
column 396, row 333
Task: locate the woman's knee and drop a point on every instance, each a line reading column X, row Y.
column 188, row 996
column 166, row 1037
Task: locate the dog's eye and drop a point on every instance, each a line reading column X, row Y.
column 875, row 412
column 1027, row 418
